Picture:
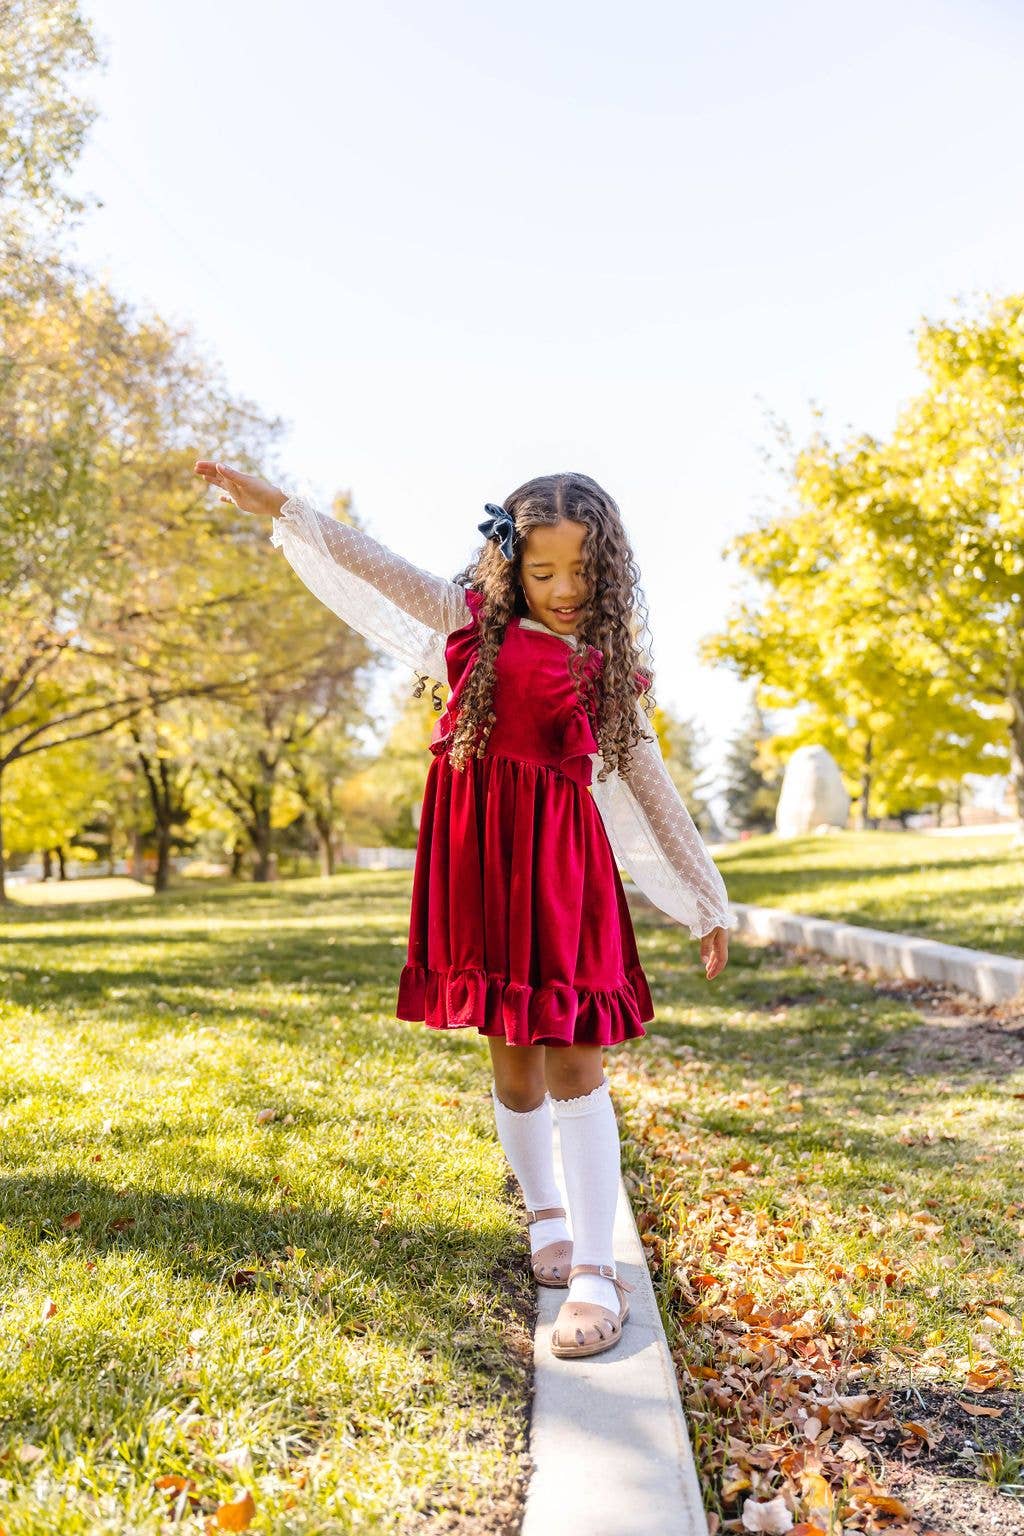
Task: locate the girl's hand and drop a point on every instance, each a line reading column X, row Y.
column 248, row 492
column 714, row 951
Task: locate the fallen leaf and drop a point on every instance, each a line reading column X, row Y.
column 1007, row 1320
column 172, row 1486
column 242, row 1280
column 883, row 1503
column 853, row 1449
column 235, row 1516
column 773, row 1517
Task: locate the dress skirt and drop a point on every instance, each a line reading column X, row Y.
column 519, row 924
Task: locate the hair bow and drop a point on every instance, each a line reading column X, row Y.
column 500, row 527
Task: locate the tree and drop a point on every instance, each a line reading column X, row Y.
column 886, row 599
column 307, row 680
column 383, row 801
column 44, row 46
column 119, row 584
column 49, row 805
column 318, row 767
column 754, row 774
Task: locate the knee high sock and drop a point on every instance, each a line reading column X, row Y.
column 525, row 1137
column 591, row 1159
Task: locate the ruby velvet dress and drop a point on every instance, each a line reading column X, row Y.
column 519, row 922
column 519, row 925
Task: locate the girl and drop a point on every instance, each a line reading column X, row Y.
column 519, row 924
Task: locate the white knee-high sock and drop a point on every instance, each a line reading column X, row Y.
column 591, row 1160
column 525, row 1137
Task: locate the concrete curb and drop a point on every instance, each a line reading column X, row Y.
column 993, row 978
column 610, row 1448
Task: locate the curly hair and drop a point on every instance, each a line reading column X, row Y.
column 613, row 619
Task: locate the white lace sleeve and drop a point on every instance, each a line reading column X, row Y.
column 405, row 610
column 654, row 838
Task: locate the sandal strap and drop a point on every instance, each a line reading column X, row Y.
column 544, row 1212
column 607, row 1270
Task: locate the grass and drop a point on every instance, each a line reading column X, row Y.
column 960, row 890
column 255, row 1233
column 331, row 1308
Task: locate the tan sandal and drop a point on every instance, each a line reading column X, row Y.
column 575, row 1318
column 552, row 1262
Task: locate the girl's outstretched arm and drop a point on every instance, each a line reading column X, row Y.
column 654, row 838
column 407, row 611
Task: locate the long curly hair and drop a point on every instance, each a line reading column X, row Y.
column 614, row 618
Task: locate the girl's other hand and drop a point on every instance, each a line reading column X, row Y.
column 714, row 951
column 248, row 492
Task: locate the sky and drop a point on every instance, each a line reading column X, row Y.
column 459, row 245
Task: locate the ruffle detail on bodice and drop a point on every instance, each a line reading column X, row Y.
column 577, row 745
column 555, row 1014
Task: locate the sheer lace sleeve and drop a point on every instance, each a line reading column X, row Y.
column 654, row 838
column 407, row 611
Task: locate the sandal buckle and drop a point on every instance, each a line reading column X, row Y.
column 608, row 1270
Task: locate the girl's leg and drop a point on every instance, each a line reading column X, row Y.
column 522, row 1113
column 591, row 1158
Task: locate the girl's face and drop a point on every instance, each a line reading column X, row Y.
column 552, row 574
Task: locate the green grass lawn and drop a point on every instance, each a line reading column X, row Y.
column 959, row 890
column 332, row 1308
column 255, row 1234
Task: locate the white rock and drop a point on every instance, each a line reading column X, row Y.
column 813, row 795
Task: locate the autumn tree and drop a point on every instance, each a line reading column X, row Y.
column 118, row 581
column 884, row 601
column 46, row 48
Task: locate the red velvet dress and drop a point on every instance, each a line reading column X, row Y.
column 519, row 924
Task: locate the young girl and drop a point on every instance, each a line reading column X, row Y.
column 519, row 924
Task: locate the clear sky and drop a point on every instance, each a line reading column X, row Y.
column 459, row 245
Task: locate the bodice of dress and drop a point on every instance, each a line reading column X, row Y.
column 540, row 715
column 411, row 614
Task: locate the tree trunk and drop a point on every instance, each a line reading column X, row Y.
column 263, row 870
column 237, row 855
column 262, row 831
column 163, row 798
column 262, row 842
column 47, row 863
column 162, row 878
column 59, row 851
column 3, row 862
column 865, row 788
column 1016, row 697
column 138, row 868
column 324, row 832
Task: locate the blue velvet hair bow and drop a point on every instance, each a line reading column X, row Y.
column 501, row 527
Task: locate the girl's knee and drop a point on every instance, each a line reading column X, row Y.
column 518, row 1075
column 520, row 1097
column 574, row 1070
